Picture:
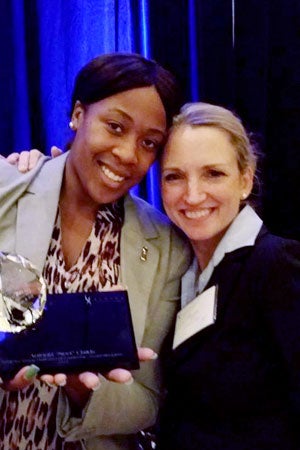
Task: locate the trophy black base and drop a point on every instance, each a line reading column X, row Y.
column 77, row 332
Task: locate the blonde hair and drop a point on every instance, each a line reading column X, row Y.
column 197, row 114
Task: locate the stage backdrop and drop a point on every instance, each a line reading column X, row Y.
column 243, row 54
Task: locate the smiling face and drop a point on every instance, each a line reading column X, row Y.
column 117, row 140
column 202, row 185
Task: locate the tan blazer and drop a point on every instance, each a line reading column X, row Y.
column 28, row 206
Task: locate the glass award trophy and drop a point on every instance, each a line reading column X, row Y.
column 22, row 293
column 70, row 332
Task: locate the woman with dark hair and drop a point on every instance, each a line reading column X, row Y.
column 74, row 218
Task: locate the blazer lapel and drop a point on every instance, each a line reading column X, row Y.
column 139, row 255
column 139, row 262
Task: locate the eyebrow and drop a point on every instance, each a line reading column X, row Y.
column 130, row 119
column 216, row 165
column 205, row 167
column 173, row 169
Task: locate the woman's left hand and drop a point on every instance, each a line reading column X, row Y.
column 91, row 380
column 88, row 380
column 27, row 160
column 79, row 386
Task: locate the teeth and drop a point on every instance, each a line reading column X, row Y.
column 111, row 175
column 197, row 214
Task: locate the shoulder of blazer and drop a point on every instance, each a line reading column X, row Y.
column 266, row 247
column 271, row 258
column 11, row 178
column 51, row 172
column 270, row 247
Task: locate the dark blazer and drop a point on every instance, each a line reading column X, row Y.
column 236, row 384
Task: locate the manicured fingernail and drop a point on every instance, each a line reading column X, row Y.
column 97, row 386
column 129, row 382
column 61, row 383
column 31, row 372
column 154, row 356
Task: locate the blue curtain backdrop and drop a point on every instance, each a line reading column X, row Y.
column 43, row 45
column 243, row 54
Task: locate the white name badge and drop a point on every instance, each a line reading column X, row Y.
column 195, row 316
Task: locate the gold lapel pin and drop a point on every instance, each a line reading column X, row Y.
column 144, row 254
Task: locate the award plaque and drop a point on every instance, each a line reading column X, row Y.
column 60, row 332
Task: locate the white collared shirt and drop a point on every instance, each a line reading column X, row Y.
column 242, row 232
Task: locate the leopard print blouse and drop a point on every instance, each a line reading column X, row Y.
column 28, row 417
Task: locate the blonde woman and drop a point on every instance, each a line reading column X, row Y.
column 234, row 371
